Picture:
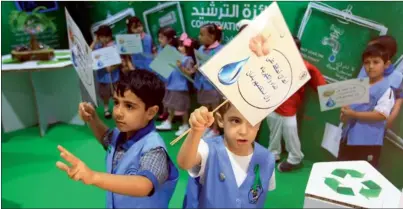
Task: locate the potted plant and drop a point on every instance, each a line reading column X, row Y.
column 33, row 24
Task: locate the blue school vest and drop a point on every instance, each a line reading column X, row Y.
column 131, row 161
column 224, row 193
column 360, row 133
column 201, row 82
column 104, row 76
column 143, row 60
column 395, row 79
column 177, row 81
column 388, row 71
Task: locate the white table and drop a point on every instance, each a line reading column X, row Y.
column 318, row 194
column 39, row 94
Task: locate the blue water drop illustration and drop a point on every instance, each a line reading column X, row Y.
column 123, row 49
column 229, row 73
column 332, row 58
column 330, row 102
column 100, row 64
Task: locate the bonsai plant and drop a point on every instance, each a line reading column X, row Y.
column 33, row 24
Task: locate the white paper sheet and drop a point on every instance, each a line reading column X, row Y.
column 105, row 57
column 129, row 43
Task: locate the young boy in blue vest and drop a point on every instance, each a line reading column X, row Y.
column 363, row 133
column 140, row 173
column 225, row 171
column 106, row 77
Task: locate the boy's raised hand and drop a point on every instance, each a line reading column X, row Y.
column 201, row 119
column 78, row 171
column 86, row 111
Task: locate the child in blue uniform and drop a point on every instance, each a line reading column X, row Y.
column 210, row 38
column 140, row 173
column 141, row 60
column 177, row 98
column 106, row 77
column 363, row 134
column 394, row 77
column 225, row 171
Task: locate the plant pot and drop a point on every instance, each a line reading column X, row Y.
column 41, row 54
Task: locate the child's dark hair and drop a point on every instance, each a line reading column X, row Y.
column 190, row 49
column 297, row 42
column 170, row 33
column 133, row 21
column 145, row 85
column 376, row 50
column 104, row 30
column 214, row 30
column 388, row 42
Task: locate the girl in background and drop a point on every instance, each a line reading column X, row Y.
column 126, row 65
column 177, row 98
column 141, row 60
column 166, row 36
column 210, row 38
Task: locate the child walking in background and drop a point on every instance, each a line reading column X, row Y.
column 166, row 37
column 177, row 98
column 106, row 77
column 363, row 133
column 140, row 173
column 141, row 60
column 210, row 38
column 283, row 122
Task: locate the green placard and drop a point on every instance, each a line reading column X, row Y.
column 167, row 14
column 334, row 46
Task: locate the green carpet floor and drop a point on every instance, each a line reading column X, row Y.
column 31, row 180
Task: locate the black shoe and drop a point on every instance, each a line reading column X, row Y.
column 287, row 167
column 107, row 115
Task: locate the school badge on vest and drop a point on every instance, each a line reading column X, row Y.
column 256, row 190
column 222, row 176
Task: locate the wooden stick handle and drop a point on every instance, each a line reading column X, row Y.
column 173, row 142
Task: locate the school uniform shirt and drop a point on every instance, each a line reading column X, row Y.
column 201, row 82
column 177, row 81
column 239, row 165
column 290, row 106
column 362, row 133
column 144, row 154
column 385, row 103
column 394, row 77
column 102, row 75
column 143, row 60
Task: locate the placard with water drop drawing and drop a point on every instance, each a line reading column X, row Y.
column 256, row 86
column 336, row 95
column 129, row 43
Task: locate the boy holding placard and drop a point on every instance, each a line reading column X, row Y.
column 363, row 134
column 395, row 78
column 106, row 77
column 230, row 170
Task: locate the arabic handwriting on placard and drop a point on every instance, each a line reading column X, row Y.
column 278, row 70
column 255, row 83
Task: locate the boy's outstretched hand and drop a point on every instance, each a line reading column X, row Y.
column 260, row 45
column 201, row 119
column 78, row 170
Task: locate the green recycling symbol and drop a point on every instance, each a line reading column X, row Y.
column 370, row 189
